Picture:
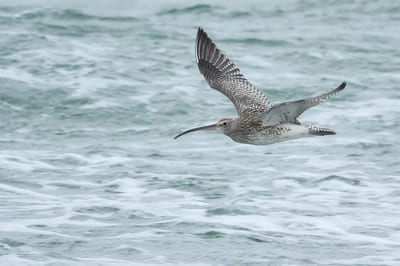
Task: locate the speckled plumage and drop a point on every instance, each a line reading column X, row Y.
column 259, row 121
column 224, row 76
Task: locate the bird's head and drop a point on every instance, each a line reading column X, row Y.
column 224, row 125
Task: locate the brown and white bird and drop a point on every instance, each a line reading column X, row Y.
column 259, row 121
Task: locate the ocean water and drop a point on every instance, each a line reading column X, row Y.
column 92, row 94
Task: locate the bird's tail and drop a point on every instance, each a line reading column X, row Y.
column 319, row 131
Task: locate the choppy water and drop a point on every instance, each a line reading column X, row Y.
column 92, row 94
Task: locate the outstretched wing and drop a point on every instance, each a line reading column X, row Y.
column 288, row 112
column 224, row 76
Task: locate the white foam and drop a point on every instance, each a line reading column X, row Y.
column 22, row 163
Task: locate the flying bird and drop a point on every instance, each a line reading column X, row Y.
column 259, row 122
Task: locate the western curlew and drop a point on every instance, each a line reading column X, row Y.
column 259, row 121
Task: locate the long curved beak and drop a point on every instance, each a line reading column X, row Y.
column 209, row 127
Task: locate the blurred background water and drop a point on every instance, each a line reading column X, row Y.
column 92, row 94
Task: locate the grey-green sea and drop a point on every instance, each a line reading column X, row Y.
column 92, row 94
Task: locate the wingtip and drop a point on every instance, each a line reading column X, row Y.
column 340, row 87
column 200, row 32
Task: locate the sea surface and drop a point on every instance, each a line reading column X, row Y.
column 93, row 92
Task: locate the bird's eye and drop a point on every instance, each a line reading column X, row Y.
column 224, row 124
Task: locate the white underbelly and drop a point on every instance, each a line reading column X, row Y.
column 273, row 134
